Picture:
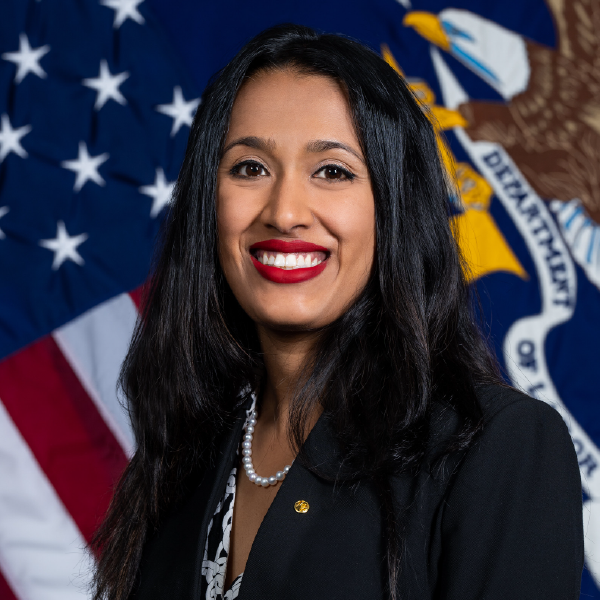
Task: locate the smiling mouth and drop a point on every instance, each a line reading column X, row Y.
column 289, row 260
column 293, row 261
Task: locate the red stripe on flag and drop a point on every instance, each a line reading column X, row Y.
column 60, row 423
column 6, row 592
column 138, row 296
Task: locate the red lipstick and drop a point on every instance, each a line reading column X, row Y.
column 297, row 275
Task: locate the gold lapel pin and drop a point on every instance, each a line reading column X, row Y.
column 301, row 506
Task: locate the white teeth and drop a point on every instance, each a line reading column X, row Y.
column 290, row 260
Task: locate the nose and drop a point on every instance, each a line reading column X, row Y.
column 287, row 208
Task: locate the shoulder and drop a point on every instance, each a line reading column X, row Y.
column 510, row 418
column 495, row 398
column 523, row 441
column 519, row 434
column 517, row 421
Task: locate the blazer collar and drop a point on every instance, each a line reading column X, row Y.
column 321, row 449
column 324, row 454
column 172, row 565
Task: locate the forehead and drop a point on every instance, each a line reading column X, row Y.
column 289, row 106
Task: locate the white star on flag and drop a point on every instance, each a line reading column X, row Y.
column 27, row 59
column 124, row 9
column 179, row 110
column 10, row 139
column 160, row 192
column 64, row 246
column 3, row 211
column 106, row 86
column 86, row 167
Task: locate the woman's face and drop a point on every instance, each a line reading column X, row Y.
column 295, row 209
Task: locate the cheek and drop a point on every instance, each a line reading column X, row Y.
column 233, row 219
column 354, row 222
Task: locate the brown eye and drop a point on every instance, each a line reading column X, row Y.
column 252, row 170
column 334, row 173
column 249, row 169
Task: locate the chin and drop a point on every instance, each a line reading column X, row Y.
column 295, row 325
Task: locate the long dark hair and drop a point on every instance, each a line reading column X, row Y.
column 410, row 339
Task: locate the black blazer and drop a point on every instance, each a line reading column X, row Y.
column 502, row 522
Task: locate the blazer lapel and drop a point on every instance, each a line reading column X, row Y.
column 295, row 554
column 303, row 553
column 172, row 562
column 216, row 487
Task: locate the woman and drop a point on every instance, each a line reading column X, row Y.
column 316, row 413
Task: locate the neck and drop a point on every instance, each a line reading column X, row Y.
column 284, row 354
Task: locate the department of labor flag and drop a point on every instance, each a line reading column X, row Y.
column 96, row 101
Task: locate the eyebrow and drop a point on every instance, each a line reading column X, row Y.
column 250, row 141
column 324, row 145
column 316, row 146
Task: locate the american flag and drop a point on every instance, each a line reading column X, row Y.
column 94, row 116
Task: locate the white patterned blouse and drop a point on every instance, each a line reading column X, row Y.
column 217, row 548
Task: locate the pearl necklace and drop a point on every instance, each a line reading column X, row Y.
column 247, row 458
